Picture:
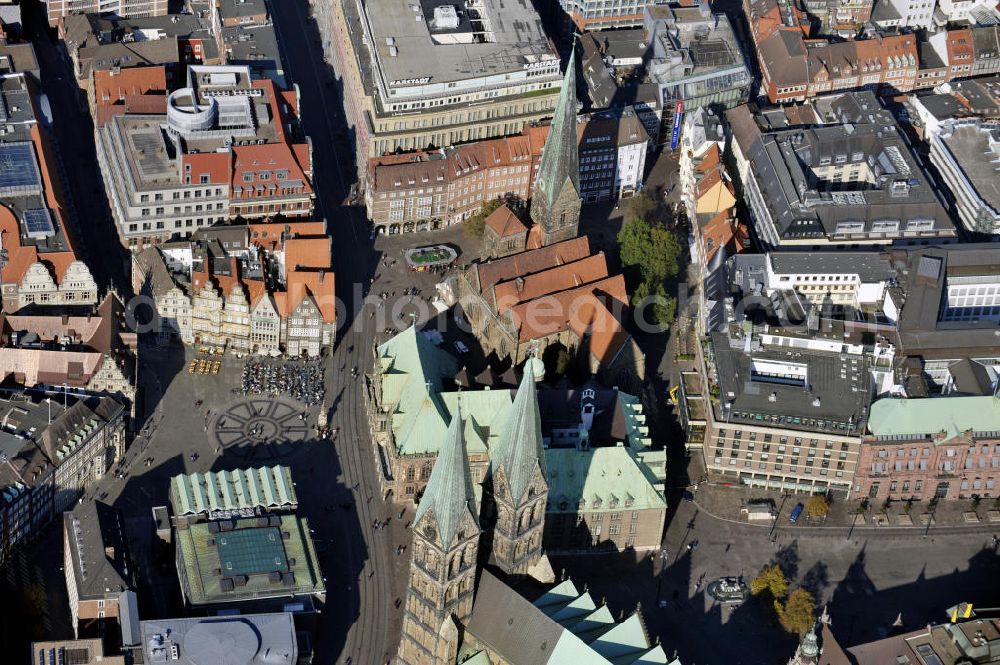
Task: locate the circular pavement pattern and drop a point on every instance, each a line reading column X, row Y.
column 261, row 428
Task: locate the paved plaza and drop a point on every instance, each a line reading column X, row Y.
column 263, row 430
column 869, row 580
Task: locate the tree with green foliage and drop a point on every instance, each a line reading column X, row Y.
column 797, row 614
column 662, row 307
column 770, row 581
column 651, row 252
column 475, row 224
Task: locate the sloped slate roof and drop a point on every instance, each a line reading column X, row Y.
column 529, row 633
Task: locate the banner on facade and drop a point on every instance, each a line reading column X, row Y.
column 675, row 135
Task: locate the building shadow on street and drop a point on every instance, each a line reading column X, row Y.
column 678, row 610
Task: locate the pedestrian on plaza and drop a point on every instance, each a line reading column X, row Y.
column 404, row 510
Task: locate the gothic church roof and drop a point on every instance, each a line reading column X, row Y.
column 449, row 493
column 541, row 633
column 520, row 446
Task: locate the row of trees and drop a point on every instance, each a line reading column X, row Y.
column 649, row 252
column 795, row 611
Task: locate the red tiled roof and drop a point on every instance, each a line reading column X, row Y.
column 586, row 310
column 525, row 263
column 268, row 234
column 505, row 223
column 269, row 157
column 308, row 273
column 721, row 231
column 105, row 112
column 112, row 86
column 214, row 164
column 307, row 252
column 146, row 104
column 709, row 160
column 567, row 276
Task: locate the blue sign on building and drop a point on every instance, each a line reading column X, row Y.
column 675, row 135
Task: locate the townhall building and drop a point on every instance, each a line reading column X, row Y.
column 605, row 477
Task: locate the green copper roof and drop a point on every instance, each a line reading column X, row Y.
column 560, row 156
column 413, row 370
column 626, row 640
column 607, row 479
column 933, row 415
column 519, row 450
column 655, row 656
column 590, row 626
column 560, row 594
column 637, row 430
column 559, row 627
column 409, row 362
column 481, row 658
column 573, row 610
column 239, row 489
column 571, row 649
column 420, row 432
column 449, row 492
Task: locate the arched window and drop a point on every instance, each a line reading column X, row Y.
column 411, row 473
column 425, row 471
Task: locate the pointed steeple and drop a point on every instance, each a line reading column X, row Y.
column 449, row 493
column 520, row 446
column 555, row 198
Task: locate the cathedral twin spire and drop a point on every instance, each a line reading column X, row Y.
column 449, row 494
column 518, row 486
column 520, row 452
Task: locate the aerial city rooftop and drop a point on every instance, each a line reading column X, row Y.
column 499, row 332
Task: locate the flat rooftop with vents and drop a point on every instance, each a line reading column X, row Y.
column 248, row 639
column 427, row 47
column 245, row 560
column 792, row 387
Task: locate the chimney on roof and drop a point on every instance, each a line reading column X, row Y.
column 322, row 274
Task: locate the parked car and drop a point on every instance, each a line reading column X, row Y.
column 687, row 495
column 461, row 347
column 796, row 512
